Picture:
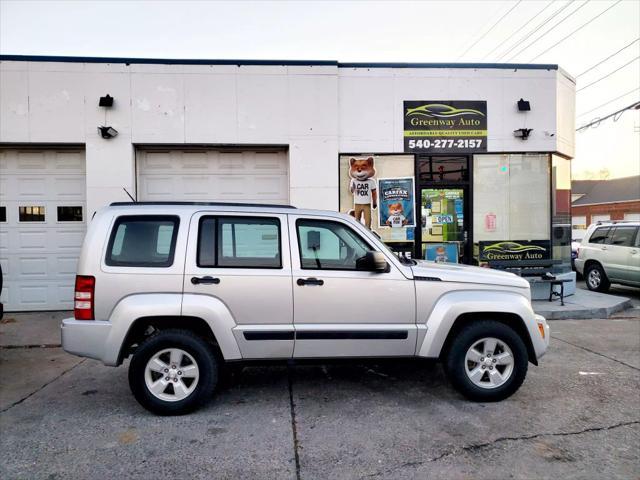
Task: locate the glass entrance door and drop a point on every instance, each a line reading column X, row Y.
column 444, row 232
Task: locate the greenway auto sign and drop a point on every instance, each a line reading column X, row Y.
column 440, row 126
column 515, row 250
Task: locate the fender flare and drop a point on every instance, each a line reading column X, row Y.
column 134, row 307
column 451, row 305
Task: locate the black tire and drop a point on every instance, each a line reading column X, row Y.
column 195, row 346
column 455, row 360
column 596, row 278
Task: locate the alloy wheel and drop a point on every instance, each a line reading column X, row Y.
column 594, row 278
column 489, row 363
column 171, row 375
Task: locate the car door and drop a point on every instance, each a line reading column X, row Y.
column 242, row 263
column 619, row 261
column 340, row 311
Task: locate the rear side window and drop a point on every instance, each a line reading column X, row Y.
column 239, row 242
column 600, row 235
column 143, row 241
column 623, row 236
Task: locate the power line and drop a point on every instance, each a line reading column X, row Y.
column 538, row 27
column 608, row 102
column 548, row 31
column 492, row 27
column 605, row 59
column 575, row 31
column 608, row 74
column 635, row 105
column 518, row 30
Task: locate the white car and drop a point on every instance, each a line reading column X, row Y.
column 610, row 253
column 187, row 289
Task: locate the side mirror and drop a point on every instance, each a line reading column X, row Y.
column 372, row 261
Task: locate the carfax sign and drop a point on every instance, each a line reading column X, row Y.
column 441, row 126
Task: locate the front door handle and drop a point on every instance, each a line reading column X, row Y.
column 310, row 281
column 205, row 280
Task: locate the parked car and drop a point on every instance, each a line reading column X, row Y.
column 188, row 289
column 610, row 253
column 575, row 246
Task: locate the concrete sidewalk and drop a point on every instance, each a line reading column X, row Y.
column 582, row 305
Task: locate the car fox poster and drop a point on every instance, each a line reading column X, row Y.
column 396, row 199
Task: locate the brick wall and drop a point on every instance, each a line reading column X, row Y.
column 615, row 210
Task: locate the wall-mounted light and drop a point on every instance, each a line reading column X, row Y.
column 522, row 133
column 524, row 105
column 106, row 101
column 107, row 132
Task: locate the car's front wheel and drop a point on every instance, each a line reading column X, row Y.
column 173, row 372
column 487, row 361
column 596, row 278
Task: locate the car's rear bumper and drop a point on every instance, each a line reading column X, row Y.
column 86, row 338
column 579, row 265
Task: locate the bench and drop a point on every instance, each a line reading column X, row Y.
column 525, row 268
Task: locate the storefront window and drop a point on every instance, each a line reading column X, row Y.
column 511, row 201
column 443, row 169
column 561, row 219
column 379, row 190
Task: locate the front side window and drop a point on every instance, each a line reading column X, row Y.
column 326, row 245
column 239, row 242
column 143, row 241
column 623, row 236
column 600, row 235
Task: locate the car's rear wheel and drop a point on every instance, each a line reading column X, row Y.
column 596, row 278
column 173, row 372
column 487, row 361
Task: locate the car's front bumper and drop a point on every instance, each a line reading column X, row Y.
column 86, row 338
column 541, row 343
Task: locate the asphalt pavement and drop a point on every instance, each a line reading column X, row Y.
column 576, row 416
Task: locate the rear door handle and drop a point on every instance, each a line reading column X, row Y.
column 205, row 280
column 310, row 281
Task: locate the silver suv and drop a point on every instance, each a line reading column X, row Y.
column 189, row 289
column 610, row 253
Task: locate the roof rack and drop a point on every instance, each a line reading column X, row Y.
column 600, row 222
column 204, row 204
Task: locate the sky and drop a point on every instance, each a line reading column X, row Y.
column 575, row 34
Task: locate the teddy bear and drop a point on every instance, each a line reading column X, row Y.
column 363, row 187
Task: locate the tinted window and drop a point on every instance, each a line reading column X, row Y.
column 207, row 242
column 247, row 243
column 143, row 241
column 600, row 235
column 443, row 169
column 329, row 245
column 31, row 214
column 623, row 236
column 3, row 214
column 69, row 214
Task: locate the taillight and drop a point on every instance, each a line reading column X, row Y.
column 84, row 297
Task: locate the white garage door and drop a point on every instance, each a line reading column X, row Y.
column 42, row 225
column 210, row 175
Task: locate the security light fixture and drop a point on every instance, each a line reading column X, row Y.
column 107, row 132
column 522, row 133
column 524, row 105
column 106, row 101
